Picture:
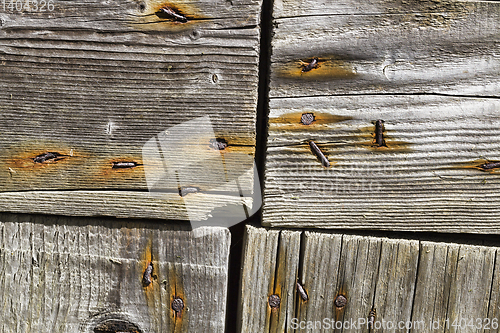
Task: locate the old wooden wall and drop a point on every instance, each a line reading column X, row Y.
column 383, row 115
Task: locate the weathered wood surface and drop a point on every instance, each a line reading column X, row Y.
column 427, row 285
column 94, row 81
column 62, row 274
column 430, row 71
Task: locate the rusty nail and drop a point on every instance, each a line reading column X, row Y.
column 124, row 165
column 186, row 190
column 274, row 301
column 313, row 64
column 319, row 154
column 490, row 165
column 340, row 301
column 371, row 317
column 172, row 14
column 307, row 118
column 379, row 133
column 49, row 156
column 218, row 144
column 177, row 304
column 302, row 292
column 146, row 278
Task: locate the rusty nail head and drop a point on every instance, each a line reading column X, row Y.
column 274, row 301
column 177, row 304
column 340, row 301
column 307, row 118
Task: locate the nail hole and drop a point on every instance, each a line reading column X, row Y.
column 215, row 78
column 218, row 144
column 307, row 118
column 116, row 326
column 274, row 301
column 195, row 34
column 340, row 301
column 142, row 7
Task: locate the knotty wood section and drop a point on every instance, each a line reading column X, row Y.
column 61, row 274
column 429, row 71
column 94, row 81
column 425, row 285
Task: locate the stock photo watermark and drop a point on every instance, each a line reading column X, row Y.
column 38, row 6
column 188, row 160
column 415, row 325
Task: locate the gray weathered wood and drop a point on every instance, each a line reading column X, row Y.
column 94, row 81
column 427, row 178
column 412, row 285
column 385, row 46
column 61, row 274
column 430, row 70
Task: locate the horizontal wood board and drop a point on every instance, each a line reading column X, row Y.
column 60, row 274
column 429, row 71
column 95, row 81
column 425, row 285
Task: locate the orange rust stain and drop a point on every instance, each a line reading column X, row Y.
column 292, row 121
column 148, row 16
column 22, row 156
column 146, row 258
column 339, row 311
column 476, row 165
column 329, row 68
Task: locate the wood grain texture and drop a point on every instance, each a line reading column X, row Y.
column 385, row 46
column 428, row 177
column 63, row 274
column 94, row 81
column 412, row 285
column 429, row 70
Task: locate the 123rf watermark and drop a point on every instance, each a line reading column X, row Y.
column 38, row 6
column 415, row 325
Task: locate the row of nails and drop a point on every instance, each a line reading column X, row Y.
column 308, row 118
column 339, row 302
column 379, row 141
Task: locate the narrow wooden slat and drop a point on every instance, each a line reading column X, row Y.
column 257, row 279
column 285, row 282
column 494, row 307
column 63, row 274
column 409, row 285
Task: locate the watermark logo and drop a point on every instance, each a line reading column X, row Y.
column 188, row 160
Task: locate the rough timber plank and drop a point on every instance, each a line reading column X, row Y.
column 386, row 46
column 427, row 178
column 430, row 70
column 94, row 81
column 411, row 285
column 62, row 274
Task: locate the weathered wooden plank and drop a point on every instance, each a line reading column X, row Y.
column 95, row 85
column 63, row 274
column 285, row 281
column 408, row 285
column 429, row 176
column 385, row 46
column 428, row 71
